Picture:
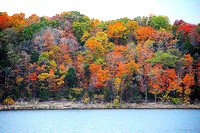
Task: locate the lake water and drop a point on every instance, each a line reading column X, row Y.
column 104, row 121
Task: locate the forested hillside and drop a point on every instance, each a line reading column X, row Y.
column 70, row 56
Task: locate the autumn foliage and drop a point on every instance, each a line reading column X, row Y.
column 70, row 56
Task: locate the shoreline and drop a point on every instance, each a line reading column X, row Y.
column 55, row 105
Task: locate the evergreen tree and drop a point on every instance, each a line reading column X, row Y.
column 71, row 78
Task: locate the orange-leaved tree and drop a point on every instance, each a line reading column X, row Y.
column 144, row 33
column 116, row 31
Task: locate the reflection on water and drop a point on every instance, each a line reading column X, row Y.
column 128, row 120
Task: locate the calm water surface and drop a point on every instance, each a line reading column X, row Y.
column 106, row 121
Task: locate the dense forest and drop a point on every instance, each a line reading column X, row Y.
column 70, row 56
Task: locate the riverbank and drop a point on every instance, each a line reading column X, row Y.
column 54, row 105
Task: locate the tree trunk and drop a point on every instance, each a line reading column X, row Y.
column 146, row 94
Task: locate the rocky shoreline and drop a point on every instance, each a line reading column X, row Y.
column 55, row 105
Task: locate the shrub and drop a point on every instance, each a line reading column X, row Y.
column 8, row 101
column 76, row 93
column 116, row 105
column 86, row 100
column 108, row 105
column 98, row 98
column 175, row 100
column 116, row 101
